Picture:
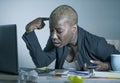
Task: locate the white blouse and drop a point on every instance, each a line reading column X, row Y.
column 71, row 65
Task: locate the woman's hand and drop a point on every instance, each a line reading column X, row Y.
column 101, row 66
column 36, row 24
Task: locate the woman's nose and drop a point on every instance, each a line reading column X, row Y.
column 54, row 35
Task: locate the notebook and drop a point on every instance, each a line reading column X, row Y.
column 8, row 49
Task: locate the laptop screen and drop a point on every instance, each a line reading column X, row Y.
column 8, row 49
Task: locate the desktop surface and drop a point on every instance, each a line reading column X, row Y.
column 6, row 78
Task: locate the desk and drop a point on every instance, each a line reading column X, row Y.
column 4, row 78
column 90, row 80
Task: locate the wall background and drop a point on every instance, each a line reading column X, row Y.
column 100, row 17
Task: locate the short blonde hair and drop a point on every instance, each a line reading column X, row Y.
column 64, row 11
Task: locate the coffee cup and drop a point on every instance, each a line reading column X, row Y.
column 115, row 62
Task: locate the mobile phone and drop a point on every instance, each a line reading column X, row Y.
column 92, row 66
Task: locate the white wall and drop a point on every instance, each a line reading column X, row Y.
column 100, row 17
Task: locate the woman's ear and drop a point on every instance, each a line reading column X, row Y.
column 74, row 28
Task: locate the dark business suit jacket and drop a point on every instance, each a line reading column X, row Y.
column 89, row 47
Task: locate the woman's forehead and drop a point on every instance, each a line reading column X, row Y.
column 59, row 22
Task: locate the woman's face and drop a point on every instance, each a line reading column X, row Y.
column 61, row 32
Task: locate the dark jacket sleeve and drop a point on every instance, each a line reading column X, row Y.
column 40, row 58
column 100, row 49
column 104, row 50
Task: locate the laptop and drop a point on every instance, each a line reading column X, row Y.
column 8, row 49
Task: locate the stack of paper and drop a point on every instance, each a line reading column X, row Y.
column 112, row 74
column 85, row 74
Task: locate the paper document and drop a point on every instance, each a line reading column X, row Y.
column 112, row 74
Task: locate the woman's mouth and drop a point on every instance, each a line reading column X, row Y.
column 56, row 44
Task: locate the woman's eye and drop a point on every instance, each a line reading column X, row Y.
column 59, row 31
